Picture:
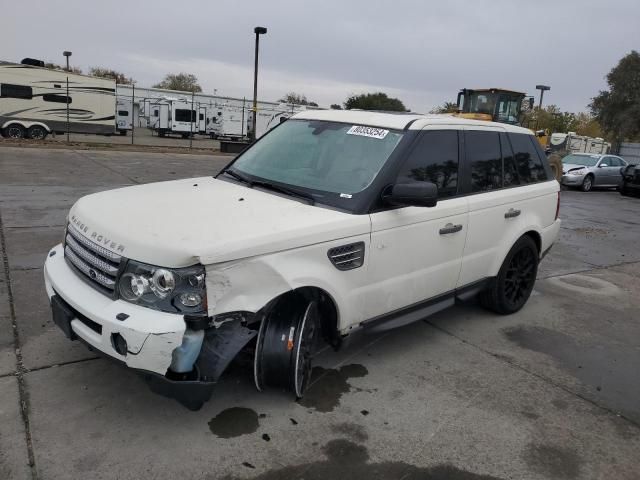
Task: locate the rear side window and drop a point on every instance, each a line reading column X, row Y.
column 483, row 159
column 434, row 159
column 510, row 177
column 123, row 113
column 9, row 90
column 528, row 163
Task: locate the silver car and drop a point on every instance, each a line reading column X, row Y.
column 588, row 170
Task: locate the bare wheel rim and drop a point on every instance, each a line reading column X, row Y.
column 305, row 349
column 587, row 183
column 520, row 276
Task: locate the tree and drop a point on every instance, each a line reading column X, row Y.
column 446, row 107
column 374, row 101
column 54, row 66
column 297, row 99
column 119, row 77
column 335, row 106
column 185, row 82
column 618, row 108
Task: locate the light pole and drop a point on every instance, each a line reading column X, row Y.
column 67, row 54
column 258, row 31
column 542, row 88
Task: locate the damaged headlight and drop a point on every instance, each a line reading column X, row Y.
column 165, row 289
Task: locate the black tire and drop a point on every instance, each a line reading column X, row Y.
column 286, row 344
column 513, row 285
column 587, row 183
column 15, row 131
column 123, row 133
column 161, row 134
column 37, row 132
column 623, row 190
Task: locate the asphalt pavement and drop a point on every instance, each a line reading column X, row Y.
column 551, row 392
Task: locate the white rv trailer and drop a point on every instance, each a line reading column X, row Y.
column 124, row 115
column 173, row 116
column 233, row 122
column 573, row 143
column 34, row 101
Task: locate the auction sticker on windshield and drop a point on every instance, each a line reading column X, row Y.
column 368, row 132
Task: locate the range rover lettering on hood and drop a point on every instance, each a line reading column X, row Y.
column 98, row 238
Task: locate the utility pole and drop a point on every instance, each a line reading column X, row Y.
column 258, row 31
column 133, row 111
column 193, row 114
column 67, row 102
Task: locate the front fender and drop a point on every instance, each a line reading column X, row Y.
column 254, row 282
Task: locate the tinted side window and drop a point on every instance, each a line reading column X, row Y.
column 483, row 160
column 509, row 163
column 123, row 113
column 528, row 163
column 434, row 159
column 16, row 91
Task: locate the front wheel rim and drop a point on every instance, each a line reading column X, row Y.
column 587, row 183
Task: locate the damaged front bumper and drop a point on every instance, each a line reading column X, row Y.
column 179, row 358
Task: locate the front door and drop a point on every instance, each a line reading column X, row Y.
column 416, row 251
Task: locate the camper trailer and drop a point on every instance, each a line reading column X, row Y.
column 36, row 101
column 573, row 143
column 124, row 115
column 173, row 116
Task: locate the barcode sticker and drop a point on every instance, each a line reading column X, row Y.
column 370, row 132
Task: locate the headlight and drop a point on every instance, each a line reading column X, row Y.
column 165, row 289
column 580, row 171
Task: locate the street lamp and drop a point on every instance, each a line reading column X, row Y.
column 542, row 88
column 258, row 31
column 67, row 54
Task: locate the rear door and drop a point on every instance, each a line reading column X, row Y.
column 416, row 251
column 502, row 173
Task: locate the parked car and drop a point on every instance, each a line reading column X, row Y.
column 332, row 222
column 587, row 170
column 630, row 180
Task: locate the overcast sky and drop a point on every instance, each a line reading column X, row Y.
column 418, row 50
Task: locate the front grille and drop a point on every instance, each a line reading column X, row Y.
column 99, row 265
column 347, row 257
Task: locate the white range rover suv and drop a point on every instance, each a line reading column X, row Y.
column 333, row 221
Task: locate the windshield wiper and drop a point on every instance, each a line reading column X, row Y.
column 287, row 191
column 239, row 177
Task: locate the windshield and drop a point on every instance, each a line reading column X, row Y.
column 586, row 160
column 319, row 155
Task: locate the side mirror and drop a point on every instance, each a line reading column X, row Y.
column 603, row 165
column 416, row 194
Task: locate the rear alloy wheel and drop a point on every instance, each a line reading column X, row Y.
column 14, row 131
column 286, row 344
column 514, row 283
column 587, row 183
column 37, row 132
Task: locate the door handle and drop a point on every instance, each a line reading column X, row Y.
column 512, row 213
column 450, row 228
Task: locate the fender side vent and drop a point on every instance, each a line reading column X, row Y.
column 347, row 257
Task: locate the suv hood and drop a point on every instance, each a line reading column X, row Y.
column 204, row 220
